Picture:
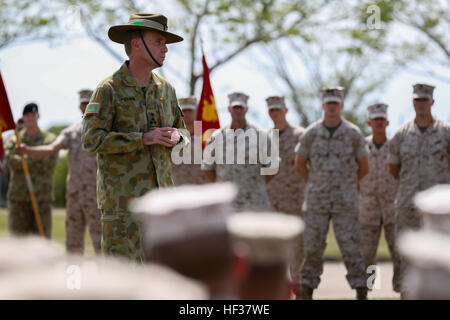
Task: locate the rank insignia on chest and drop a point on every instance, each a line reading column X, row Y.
column 92, row 108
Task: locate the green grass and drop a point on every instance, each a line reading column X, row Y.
column 332, row 252
column 58, row 228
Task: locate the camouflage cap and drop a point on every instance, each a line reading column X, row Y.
column 434, row 203
column 85, row 95
column 189, row 103
column 275, row 102
column 102, row 279
column 423, row 91
column 378, row 110
column 269, row 236
column 428, row 254
column 238, row 99
column 333, row 94
column 181, row 212
column 143, row 21
column 30, row 107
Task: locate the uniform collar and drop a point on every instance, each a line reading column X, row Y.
column 324, row 132
column 127, row 78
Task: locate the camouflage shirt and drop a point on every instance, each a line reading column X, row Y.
column 286, row 189
column 333, row 168
column 378, row 188
column 186, row 173
column 41, row 171
column 424, row 158
column 120, row 111
column 82, row 175
column 252, row 194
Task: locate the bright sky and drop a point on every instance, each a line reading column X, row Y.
column 51, row 77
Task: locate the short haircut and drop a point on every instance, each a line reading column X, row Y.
column 133, row 34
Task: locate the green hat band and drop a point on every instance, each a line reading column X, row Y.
column 148, row 23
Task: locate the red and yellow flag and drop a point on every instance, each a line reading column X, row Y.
column 207, row 110
column 6, row 118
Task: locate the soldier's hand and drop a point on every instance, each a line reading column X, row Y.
column 21, row 149
column 164, row 136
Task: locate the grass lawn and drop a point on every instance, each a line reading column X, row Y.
column 59, row 234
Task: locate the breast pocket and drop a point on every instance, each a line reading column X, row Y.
column 167, row 112
column 129, row 117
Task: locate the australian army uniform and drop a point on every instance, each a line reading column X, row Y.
column 22, row 220
column 120, row 111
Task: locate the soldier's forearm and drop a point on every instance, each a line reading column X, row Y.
column 111, row 142
column 40, row 152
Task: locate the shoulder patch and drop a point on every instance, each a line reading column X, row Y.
column 92, row 108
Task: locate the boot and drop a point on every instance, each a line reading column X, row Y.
column 361, row 293
column 306, row 293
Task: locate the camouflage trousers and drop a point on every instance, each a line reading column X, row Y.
column 122, row 235
column 407, row 219
column 370, row 237
column 348, row 235
column 79, row 214
column 295, row 265
column 21, row 219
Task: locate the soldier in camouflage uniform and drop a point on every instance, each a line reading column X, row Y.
column 419, row 156
column 132, row 124
column 81, row 200
column 21, row 220
column 337, row 156
column 252, row 193
column 377, row 192
column 286, row 190
column 189, row 173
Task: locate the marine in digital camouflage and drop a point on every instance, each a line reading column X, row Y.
column 377, row 192
column 286, row 189
column 332, row 193
column 424, row 160
column 81, row 194
column 252, row 194
column 120, row 111
column 21, row 216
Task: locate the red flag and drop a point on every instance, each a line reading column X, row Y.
column 6, row 118
column 207, row 110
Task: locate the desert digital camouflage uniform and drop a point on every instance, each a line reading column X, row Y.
column 81, row 193
column 188, row 173
column 286, row 189
column 377, row 192
column 332, row 193
column 114, row 122
column 424, row 160
column 252, row 194
column 21, row 218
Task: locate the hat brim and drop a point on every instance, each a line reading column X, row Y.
column 378, row 115
column 188, row 107
column 118, row 33
column 276, row 107
column 422, row 96
column 238, row 104
column 332, row 99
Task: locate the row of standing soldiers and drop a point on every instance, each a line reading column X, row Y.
column 133, row 120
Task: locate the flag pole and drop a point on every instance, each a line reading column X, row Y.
column 30, row 188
